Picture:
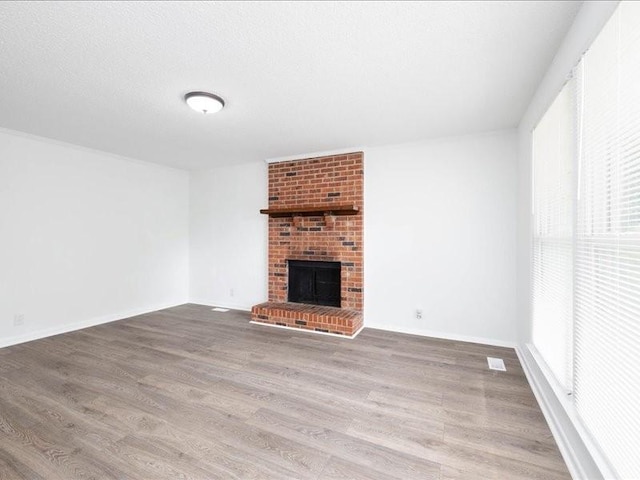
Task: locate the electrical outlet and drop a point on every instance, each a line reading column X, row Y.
column 231, row 292
column 418, row 314
column 18, row 319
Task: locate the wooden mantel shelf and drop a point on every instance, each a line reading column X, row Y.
column 311, row 211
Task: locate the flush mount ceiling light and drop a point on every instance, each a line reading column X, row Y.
column 204, row 102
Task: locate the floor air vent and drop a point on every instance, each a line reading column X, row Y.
column 496, row 364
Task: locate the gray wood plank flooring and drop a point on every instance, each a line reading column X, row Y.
column 188, row 393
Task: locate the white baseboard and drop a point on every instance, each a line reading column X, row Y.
column 306, row 330
column 70, row 327
column 447, row 336
column 208, row 303
column 579, row 451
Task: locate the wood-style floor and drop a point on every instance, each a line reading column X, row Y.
column 188, row 393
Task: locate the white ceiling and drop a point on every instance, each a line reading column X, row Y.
column 297, row 77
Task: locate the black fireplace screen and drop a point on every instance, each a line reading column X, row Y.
column 317, row 283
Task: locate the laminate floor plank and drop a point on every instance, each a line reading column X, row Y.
column 292, row 403
column 512, row 446
column 13, row 469
column 339, row 469
column 188, row 393
column 347, row 447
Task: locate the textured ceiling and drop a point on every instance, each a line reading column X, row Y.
column 297, row 77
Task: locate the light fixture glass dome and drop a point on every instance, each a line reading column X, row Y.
column 204, row 102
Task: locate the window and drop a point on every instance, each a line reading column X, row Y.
column 553, row 218
column 607, row 263
column 586, row 245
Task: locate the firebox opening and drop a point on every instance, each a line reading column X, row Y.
column 316, row 283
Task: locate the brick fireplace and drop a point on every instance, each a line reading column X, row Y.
column 316, row 214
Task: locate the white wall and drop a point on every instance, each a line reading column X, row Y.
column 86, row 237
column 229, row 236
column 440, row 222
column 439, row 235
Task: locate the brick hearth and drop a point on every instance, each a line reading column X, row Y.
column 316, row 182
column 310, row 317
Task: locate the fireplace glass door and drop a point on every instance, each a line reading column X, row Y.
column 316, row 283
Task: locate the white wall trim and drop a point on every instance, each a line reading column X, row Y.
column 230, row 306
column 582, row 456
column 71, row 327
column 306, row 156
column 447, row 336
column 306, row 330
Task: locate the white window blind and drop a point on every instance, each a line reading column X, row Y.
column 607, row 262
column 553, row 218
